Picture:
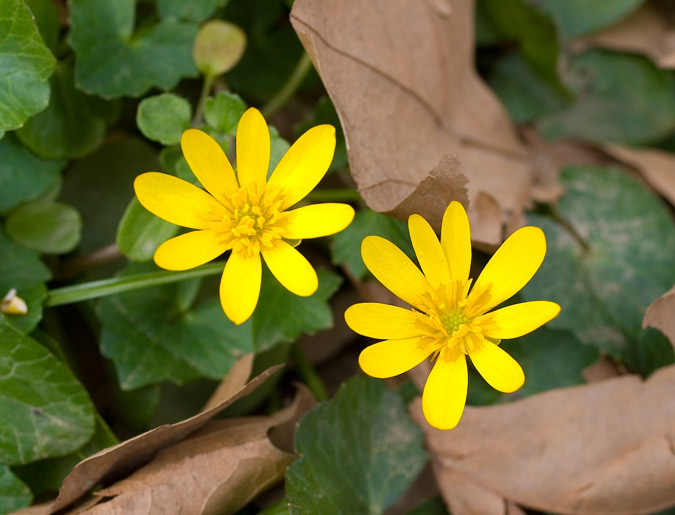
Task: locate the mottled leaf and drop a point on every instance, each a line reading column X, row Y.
column 14, row 495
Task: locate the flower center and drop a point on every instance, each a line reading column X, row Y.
column 451, row 321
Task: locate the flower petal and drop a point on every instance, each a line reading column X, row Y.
column 190, row 250
column 393, row 357
column 394, row 270
column 456, row 241
column 500, row 370
column 428, row 251
column 291, row 269
column 240, row 286
column 209, row 164
column 305, row 164
column 512, row 266
column 382, row 321
column 177, row 201
column 444, row 394
column 518, row 320
column 317, row 220
column 253, row 148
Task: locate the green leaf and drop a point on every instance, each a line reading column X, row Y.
column 74, row 123
column 195, row 10
column 23, row 175
column 44, row 411
column 47, row 20
column 359, row 452
column 14, row 495
column 140, row 232
column 26, row 65
column 224, row 111
column 433, row 506
column 48, row 227
column 164, row 118
column 347, row 244
column 22, row 269
column 609, row 107
column 218, row 47
column 157, row 334
column 575, row 18
column 604, row 289
column 113, row 61
column 282, row 316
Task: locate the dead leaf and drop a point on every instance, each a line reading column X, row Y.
column 604, row 368
column 218, row 469
column 601, row 448
column 131, row 453
column 661, row 315
column 233, row 381
column 649, row 31
column 402, row 78
column 656, row 166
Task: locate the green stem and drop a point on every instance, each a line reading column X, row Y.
column 206, row 90
column 290, row 86
column 105, row 287
column 309, row 374
column 334, row 195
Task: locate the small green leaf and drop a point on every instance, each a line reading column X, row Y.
column 14, row 495
column 48, row 227
column 609, row 107
column 44, row 411
column 26, row 65
column 195, row 10
column 604, row 289
column 164, row 118
column 155, row 335
column 23, row 175
column 575, row 18
column 218, row 47
column 359, row 452
column 224, row 111
column 112, row 61
column 74, row 123
column 282, row 316
column 347, row 244
column 140, row 232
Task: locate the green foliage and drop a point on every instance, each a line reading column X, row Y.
column 365, row 433
column 48, row 227
column 195, row 10
column 223, row 111
column 14, row 495
column 47, row 20
column 140, row 232
column 218, row 47
column 26, row 65
column 575, row 18
column 164, row 118
column 114, row 61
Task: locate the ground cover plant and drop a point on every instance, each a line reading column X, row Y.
column 333, row 256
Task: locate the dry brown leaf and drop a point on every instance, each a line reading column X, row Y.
column 127, row 455
column 217, row 470
column 661, row 315
column 649, row 31
column 656, row 166
column 402, row 79
column 233, row 381
column 606, row 447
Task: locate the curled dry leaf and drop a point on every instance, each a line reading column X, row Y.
column 661, row 315
column 127, row 455
column 605, row 447
column 402, row 79
column 649, row 31
column 233, row 381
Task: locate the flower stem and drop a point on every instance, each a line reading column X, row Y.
column 334, row 195
column 309, row 374
column 105, row 287
column 206, row 90
column 290, row 86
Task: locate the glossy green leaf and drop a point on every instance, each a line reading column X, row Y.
column 22, row 270
column 140, row 232
column 164, row 118
column 347, row 244
column 113, row 61
column 366, row 434
column 157, row 334
column 47, row 20
column 609, row 107
column 218, row 47
column 605, row 288
column 14, row 494
column 223, row 112
column 74, row 123
column 577, row 17
column 48, row 227
column 195, row 10
column 44, row 411
column 23, row 175
column 26, row 64
column 282, row 316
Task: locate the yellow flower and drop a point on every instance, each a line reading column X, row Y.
column 244, row 212
column 449, row 319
